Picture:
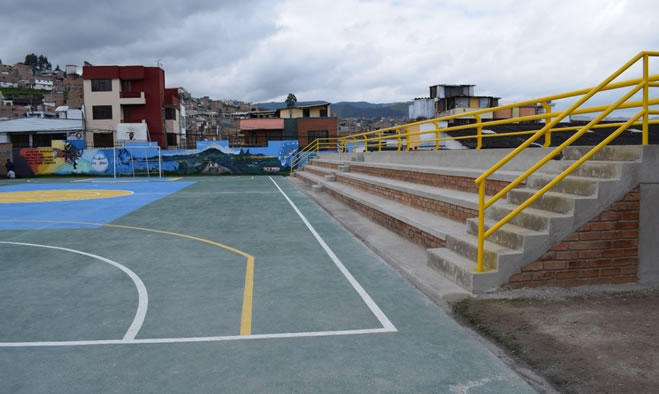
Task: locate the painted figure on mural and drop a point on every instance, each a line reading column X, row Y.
column 70, row 154
column 10, row 169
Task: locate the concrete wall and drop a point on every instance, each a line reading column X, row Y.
column 648, row 265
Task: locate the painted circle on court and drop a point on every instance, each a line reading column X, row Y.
column 60, row 195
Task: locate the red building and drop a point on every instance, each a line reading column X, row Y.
column 133, row 95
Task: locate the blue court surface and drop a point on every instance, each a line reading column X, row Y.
column 213, row 284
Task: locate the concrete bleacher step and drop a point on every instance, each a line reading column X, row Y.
column 460, row 269
column 550, row 201
column 433, row 225
column 494, row 255
column 608, row 153
column 454, row 197
column 582, row 186
column 509, row 235
column 531, row 218
column 591, row 168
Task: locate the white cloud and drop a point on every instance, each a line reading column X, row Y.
column 349, row 49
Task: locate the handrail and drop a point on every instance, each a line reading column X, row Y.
column 480, row 181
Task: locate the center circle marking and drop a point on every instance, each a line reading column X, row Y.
column 60, row 195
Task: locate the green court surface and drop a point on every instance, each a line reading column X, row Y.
column 214, row 284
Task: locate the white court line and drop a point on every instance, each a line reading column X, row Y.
column 198, row 339
column 386, row 324
column 143, row 297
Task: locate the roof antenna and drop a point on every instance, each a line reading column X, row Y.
column 158, row 64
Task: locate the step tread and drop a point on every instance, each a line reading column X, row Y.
column 435, row 225
column 456, row 259
column 456, row 197
column 556, row 194
column 490, row 246
column 329, row 171
column 533, row 211
column 509, row 227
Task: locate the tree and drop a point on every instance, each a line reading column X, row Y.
column 57, row 68
column 38, row 63
column 291, row 100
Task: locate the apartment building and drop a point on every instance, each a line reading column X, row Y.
column 304, row 123
column 130, row 95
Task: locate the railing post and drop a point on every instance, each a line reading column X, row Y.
column 481, row 225
column 399, row 140
column 407, row 139
column 646, row 89
column 379, row 141
column 436, row 135
column 479, row 132
column 547, row 108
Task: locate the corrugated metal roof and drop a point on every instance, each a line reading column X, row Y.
column 39, row 124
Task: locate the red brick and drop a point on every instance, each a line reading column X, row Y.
column 554, row 265
column 609, row 271
column 590, row 235
column 590, row 245
column 566, row 275
column 582, row 264
column 543, row 275
column 590, row 254
column 537, row 266
column 629, row 270
column 588, row 273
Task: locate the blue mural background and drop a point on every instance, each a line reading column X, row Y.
column 210, row 157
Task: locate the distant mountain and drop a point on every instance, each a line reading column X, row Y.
column 356, row 109
column 274, row 105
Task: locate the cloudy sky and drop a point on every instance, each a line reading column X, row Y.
column 341, row 50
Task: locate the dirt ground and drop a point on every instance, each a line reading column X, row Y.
column 581, row 341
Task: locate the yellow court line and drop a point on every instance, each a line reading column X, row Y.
column 174, row 179
column 83, row 180
column 246, row 318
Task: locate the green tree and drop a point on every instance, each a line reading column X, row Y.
column 291, row 100
column 32, row 60
column 38, row 63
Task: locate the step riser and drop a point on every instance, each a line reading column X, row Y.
column 618, row 153
column 490, row 259
column 502, row 237
column 551, row 203
column 523, row 219
column 450, row 271
column 596, row 170
column 568, row 185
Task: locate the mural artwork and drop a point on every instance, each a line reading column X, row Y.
column 210, row 157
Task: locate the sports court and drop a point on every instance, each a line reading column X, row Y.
column 212, row 284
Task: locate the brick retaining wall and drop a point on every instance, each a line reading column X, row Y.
column 441, row 208
column 602, row 251
column 451, row 182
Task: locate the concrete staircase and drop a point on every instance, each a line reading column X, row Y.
column 430, row 199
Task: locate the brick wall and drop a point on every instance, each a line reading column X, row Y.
column 324, row 164
column 437, row 207
column 413, row 234
column 304, row 125
column 461, row 183
column 602, row 251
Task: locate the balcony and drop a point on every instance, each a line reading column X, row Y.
column 131, row 98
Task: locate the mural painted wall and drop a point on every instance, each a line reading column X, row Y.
column 210, row 157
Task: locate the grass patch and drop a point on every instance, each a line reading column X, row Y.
column 468, row 313
column 18, row 91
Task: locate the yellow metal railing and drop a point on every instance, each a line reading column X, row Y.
column 643, row 84
column 411, row 136
column 315, row 147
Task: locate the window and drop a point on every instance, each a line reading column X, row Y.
column 126, row 86
column 101, row 85
column 20, row 140
column 171, row 139
column 316, row 134
column 305, row 112
column 103, row 140
column 126, row 109
column 101, row 112
column 323, row 113
column 170, row 113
